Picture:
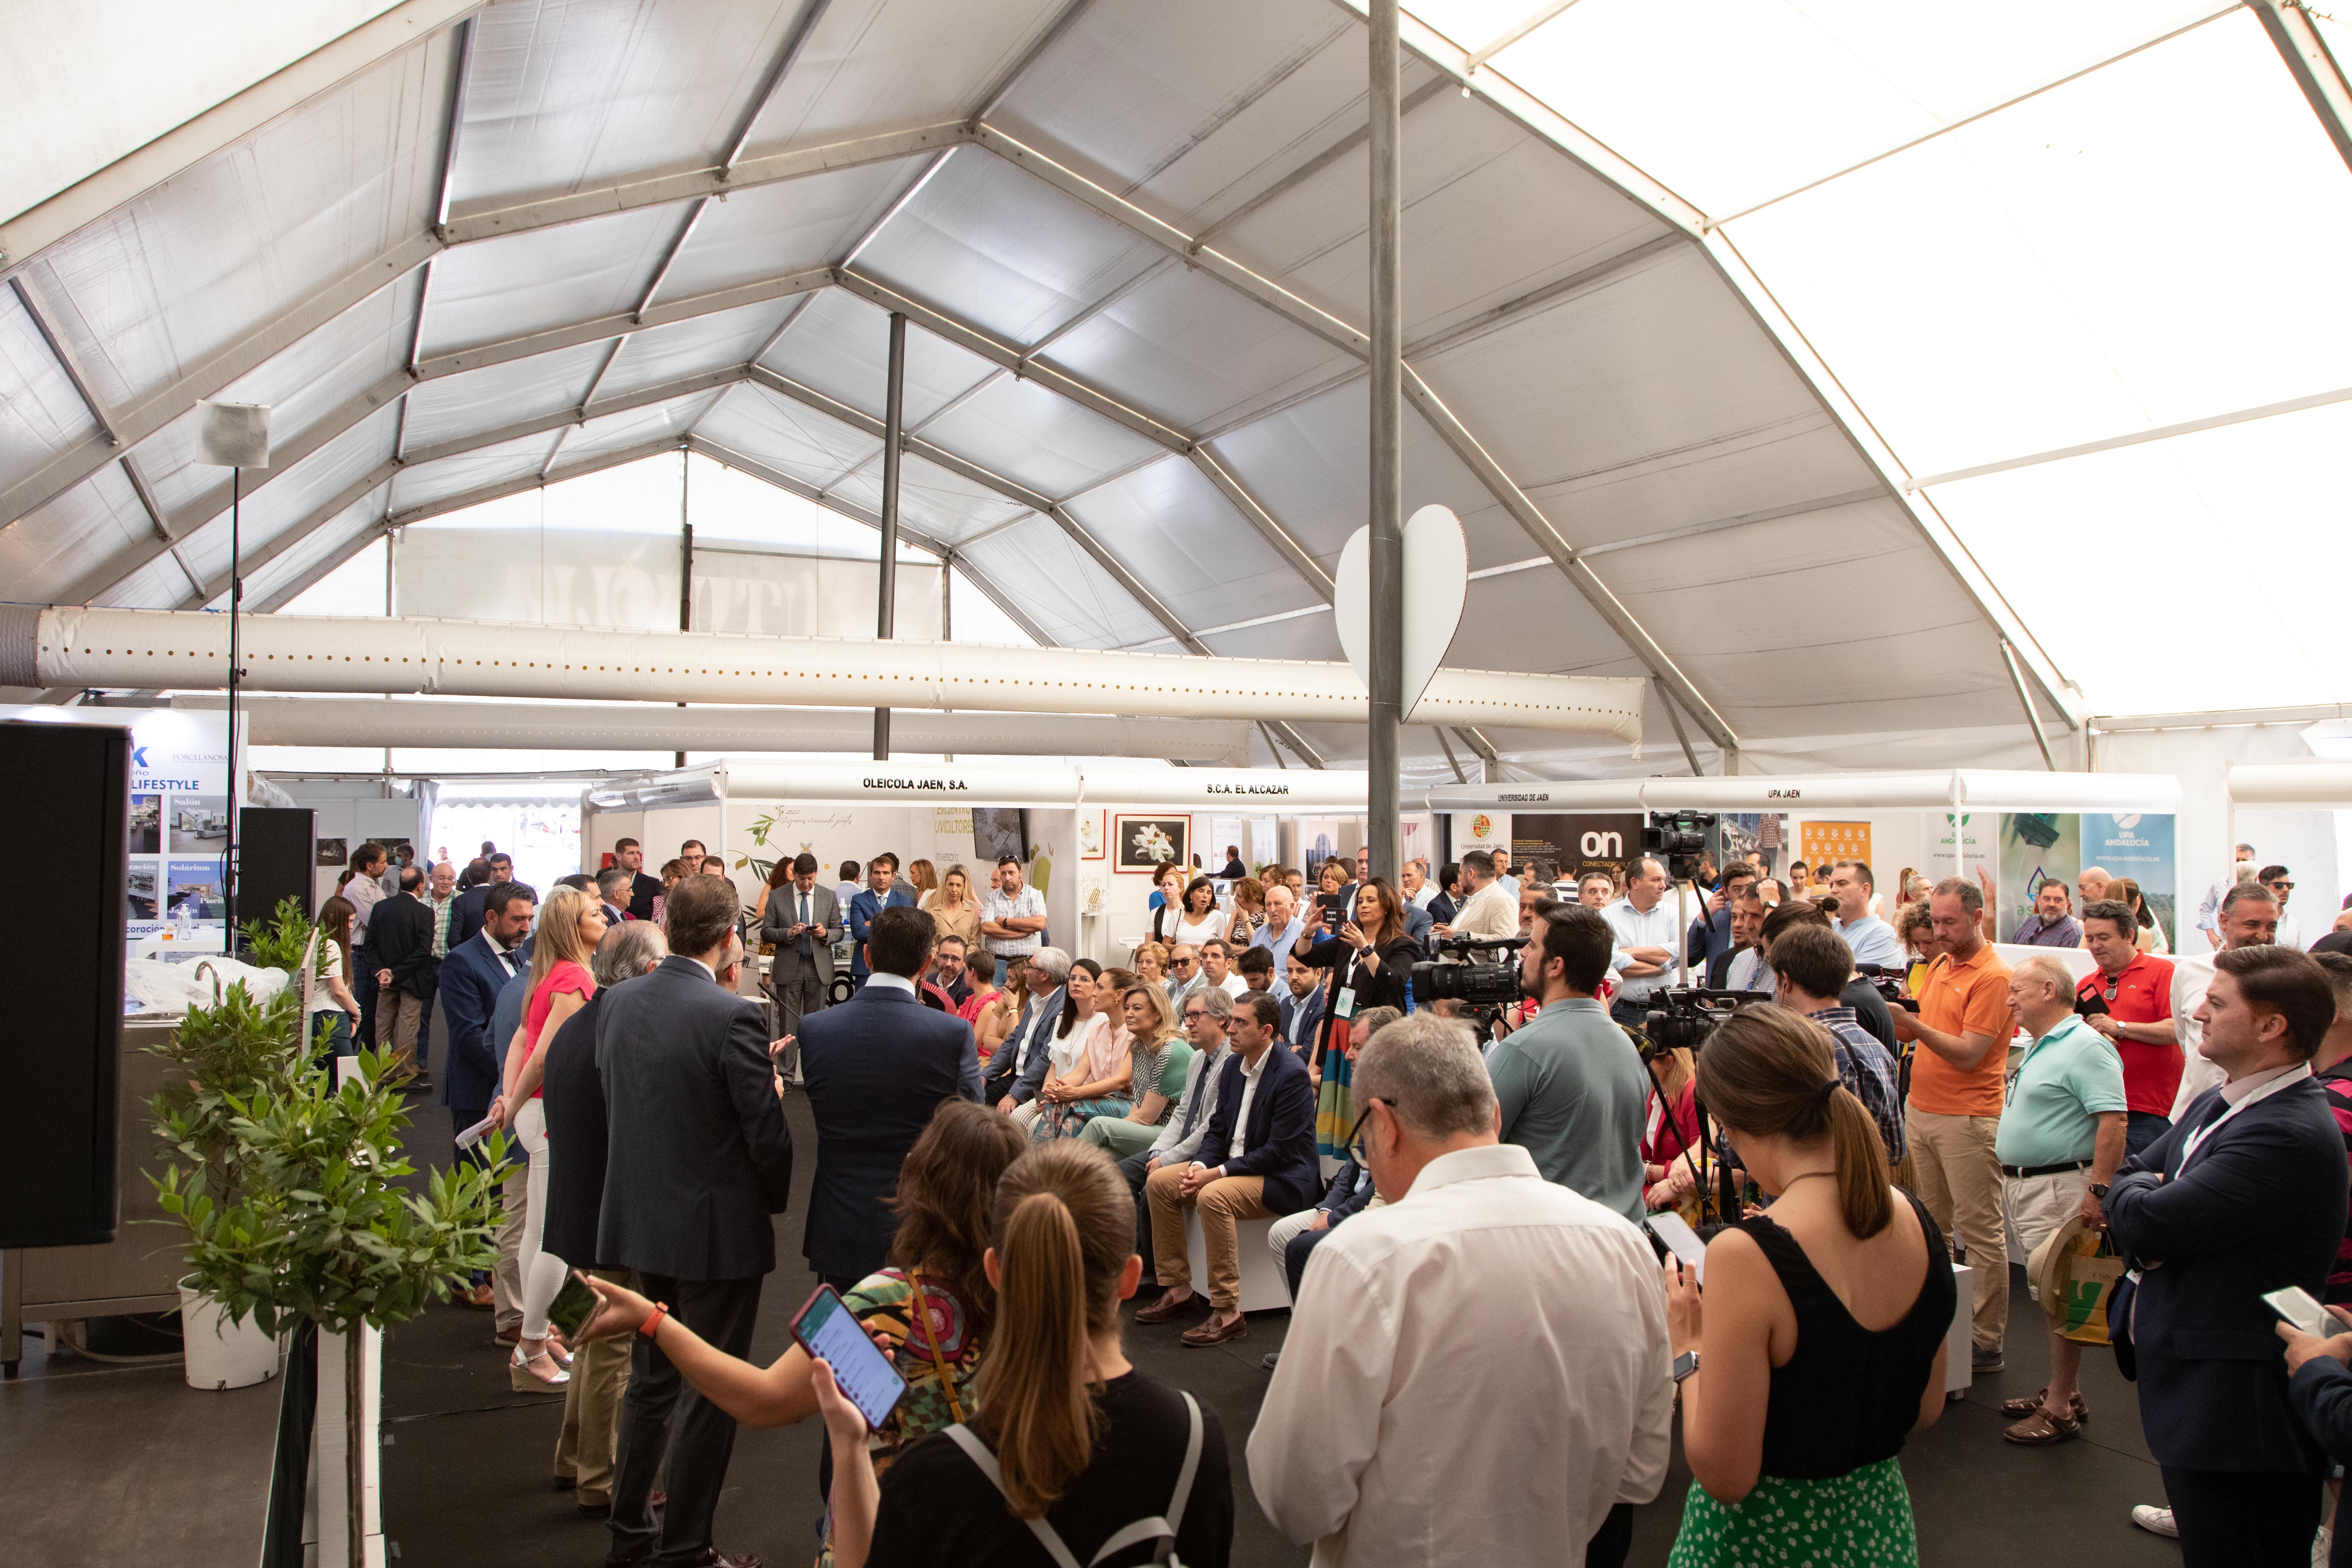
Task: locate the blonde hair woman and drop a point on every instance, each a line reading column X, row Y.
column 953, row 911
column 925, row 878
column 570, row 927
column 1152, row 963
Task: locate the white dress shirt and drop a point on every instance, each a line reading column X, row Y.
column 1474, row 1373
column 2190, row 978
column 1250, row 1072
column 890, row 981
column 1661, row 927
column 1180, row 1138
column 1490, row 912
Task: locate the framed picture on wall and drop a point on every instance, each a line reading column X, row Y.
column 1143, row 842
column 1091, row 836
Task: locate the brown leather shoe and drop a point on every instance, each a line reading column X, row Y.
column 1213, row 1333
column 2027, row 1407
column 2043, row 1430
column 1171, row 1306
column 480, row 1296
column 714, row 1558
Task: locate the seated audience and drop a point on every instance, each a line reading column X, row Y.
column 1083, row 1033
column 1159, row 1060
column 1820, row 1346
column 1100, row 1079
column 1301, row 998
column 930, row 1308
column 1205, row 1020
column 1670, row 1133
column 1018, row 1068
column 1476, row 1372
column 1069, row 1445
column 1569, row 1084
column 1262, row 1137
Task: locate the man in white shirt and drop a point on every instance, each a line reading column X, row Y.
column 1647, row 926
column 1503, row 872
column 1282, row 928
column 1491, row 909
column 2281, row 882
column 1011, row 918
column 1483, row 1314
column 2248, row 916
column 1217, row 968
column 1415, row 882
column 1872, row 939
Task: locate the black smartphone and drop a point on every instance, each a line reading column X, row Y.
column 825, row 1329
column 1334, row 907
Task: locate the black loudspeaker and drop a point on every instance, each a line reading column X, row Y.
column 60, row 1054
column 273, row 857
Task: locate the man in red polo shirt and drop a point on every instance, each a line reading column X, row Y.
column 2129, row 1000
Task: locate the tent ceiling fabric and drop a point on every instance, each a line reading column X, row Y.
column 1130, row 230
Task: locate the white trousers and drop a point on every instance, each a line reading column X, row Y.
column 542, row 1271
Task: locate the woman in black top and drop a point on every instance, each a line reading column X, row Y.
column 1084, row 1445
column 1370, row 960
column 1822, row 1337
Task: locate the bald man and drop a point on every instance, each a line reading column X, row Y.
column 2092, row 885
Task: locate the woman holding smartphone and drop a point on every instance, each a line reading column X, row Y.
column 1370, row 960
column 946, row 1202
column 1084, row 1444
column 1822, row 1343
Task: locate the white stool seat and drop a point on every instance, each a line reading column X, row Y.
column 1263, row 1286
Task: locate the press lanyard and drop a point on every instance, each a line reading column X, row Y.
column 2197, row 1139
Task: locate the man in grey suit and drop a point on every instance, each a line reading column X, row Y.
column 698, row 1160
column 802, row 922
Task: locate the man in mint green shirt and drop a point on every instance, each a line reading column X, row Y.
column 2060, row 1142
column 1569, row 1085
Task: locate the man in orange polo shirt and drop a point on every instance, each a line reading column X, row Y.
column 2129, row 999
column 1960, row 1038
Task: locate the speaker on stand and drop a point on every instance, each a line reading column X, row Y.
column 274, row 853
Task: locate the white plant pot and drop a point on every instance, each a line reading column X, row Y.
column 221, row 1354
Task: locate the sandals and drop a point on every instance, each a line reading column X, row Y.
column 2043, row 1430
column 2027, row 1407
column 527, row 1376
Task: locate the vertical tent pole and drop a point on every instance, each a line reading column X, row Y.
column 1387, row 563
column 684, row 561
column 236, row 796
column 894, row 400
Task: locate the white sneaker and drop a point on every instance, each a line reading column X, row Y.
column 2320, row 1546
column 2156, row 1520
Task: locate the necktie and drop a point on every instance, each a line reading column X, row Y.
column 805, row 951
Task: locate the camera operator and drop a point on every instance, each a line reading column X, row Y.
column 1646, row 926
column 1809, row 965
column 1573, row 1092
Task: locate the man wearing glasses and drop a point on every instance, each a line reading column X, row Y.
column 2281, row 882
column 1206, row 1015
column 1183, row 974
column 1018, row 1068
column 1262, row 1138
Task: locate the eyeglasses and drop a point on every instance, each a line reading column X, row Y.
column 1356, row 1136
column 1194, row 1014
column 2282, row 885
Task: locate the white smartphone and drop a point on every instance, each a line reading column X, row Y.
column 2295, row 1305
column 475, row 1133
column 1681, row 1240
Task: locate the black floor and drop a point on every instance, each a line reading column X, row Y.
column 467, row 1464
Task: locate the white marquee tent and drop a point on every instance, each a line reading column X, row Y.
column 1856, row 372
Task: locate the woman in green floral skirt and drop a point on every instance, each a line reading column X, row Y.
column 1822, row 1343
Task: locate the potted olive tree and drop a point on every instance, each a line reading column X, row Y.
column 293, row 1215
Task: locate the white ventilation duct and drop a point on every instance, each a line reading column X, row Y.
column 75, row 647
column 560, row 726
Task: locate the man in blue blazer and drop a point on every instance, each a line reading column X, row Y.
column 471, row 977
column 472, row 908
column 875, row 1068
column 1256, row 1161
column 882, row 892
column 2245, row 1195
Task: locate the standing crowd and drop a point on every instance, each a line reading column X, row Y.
column 1012, row 1142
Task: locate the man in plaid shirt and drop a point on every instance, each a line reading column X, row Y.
column 1810, row 964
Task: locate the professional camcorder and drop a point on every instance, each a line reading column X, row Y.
column 1488, row 984
column 1888, row 983
column 1679, row 838
column 1690, row 1014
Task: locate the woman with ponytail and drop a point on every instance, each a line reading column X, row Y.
column 1070, row 1444
column 929, row 1310
column 1822, row 1337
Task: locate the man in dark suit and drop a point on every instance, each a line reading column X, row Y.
column 473, row 905
column 876, row 1068
column 1301, row 995
column 471, row 978
column 1256, row 1162
column 882, row 892
column 802, row 922
column 2245, row 1195
column 1017, row 1069
column 698, row 1162
column 401, row 934
column 630, row 856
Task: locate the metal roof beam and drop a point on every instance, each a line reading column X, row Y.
column 399, row 27
column 1254, row 510
column 2314, row 66
column 486, row 220
column 68, row 361
column 859, row 420
column 795, row 40
column 601, row 329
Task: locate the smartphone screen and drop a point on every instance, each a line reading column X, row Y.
column 826, row 1331
column 1681, row 1240
column 2295, row 1305
column 1333, row 906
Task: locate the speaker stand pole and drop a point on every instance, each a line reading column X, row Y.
column 236, row 801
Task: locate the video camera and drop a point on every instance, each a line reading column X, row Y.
column 1888, row 983
column 1489, row 984
column 1679, row 838
column 1691, row 1014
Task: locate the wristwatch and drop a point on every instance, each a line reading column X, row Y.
column 2099, row 1190
column 1685, row 1364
